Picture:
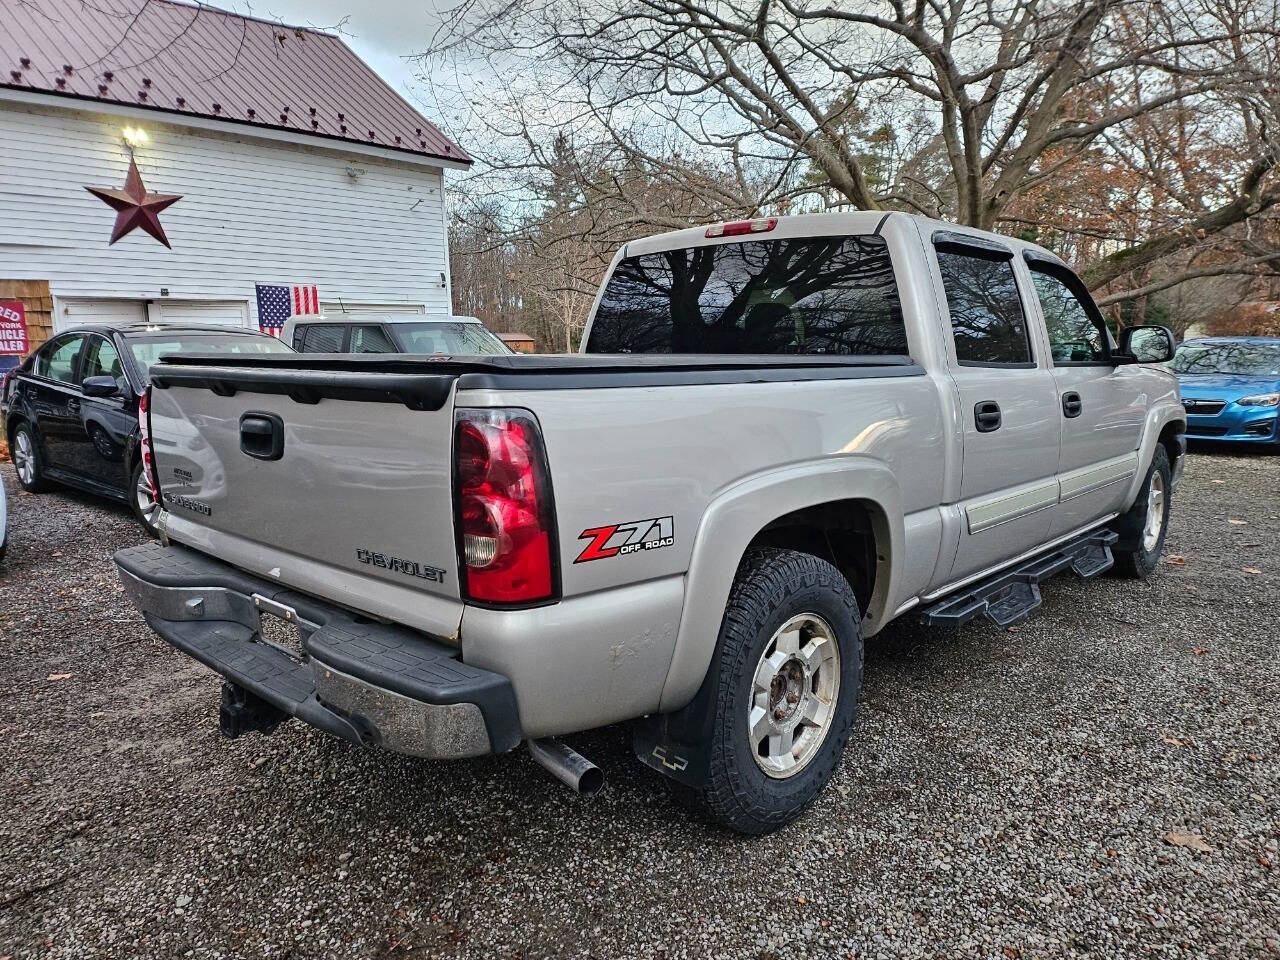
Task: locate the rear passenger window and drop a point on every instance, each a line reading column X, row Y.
column 370, row 340
column 57, row 361
column 986, row 311
column 323, row 338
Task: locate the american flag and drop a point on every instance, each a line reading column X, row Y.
column 278, row 304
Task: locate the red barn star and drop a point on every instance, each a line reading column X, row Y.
column 135, row 207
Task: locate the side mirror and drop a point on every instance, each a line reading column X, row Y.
column 1147, row 344
column 100, row 386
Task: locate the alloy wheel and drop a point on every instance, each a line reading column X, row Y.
column 24, row 457
column 793, row 696
column 1155, row 512
column 148, row 509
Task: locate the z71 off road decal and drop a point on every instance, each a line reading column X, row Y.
column 624, row 538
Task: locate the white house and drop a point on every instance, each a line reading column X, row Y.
column 295, row 164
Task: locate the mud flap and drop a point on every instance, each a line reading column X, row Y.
column 675, row 744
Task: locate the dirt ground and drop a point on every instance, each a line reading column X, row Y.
column 1099, row 781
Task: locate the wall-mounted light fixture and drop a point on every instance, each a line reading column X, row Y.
column 134, row 137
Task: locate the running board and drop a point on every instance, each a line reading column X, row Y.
column 1014, row 594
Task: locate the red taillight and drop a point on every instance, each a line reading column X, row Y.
column 738, row 227
column 506, row 539
column 148, row 453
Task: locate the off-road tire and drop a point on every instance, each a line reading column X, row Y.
column 771, row 587
column 1133, row 560
column 38, row 483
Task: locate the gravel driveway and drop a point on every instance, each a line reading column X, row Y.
column 1102, row 781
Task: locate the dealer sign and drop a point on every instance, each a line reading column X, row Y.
column 13, row 327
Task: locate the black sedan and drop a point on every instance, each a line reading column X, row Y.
column 71, row 409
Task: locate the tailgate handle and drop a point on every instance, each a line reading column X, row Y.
column 262, row 436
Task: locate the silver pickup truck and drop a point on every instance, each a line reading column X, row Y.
column 780, row 435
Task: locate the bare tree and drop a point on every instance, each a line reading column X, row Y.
column 775, row 96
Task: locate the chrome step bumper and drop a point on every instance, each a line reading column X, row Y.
column 368, row 683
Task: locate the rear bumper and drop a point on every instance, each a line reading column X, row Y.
column 366, row 682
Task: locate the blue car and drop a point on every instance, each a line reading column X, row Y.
column 1230, row 388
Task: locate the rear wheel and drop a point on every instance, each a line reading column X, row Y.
column 144, row 504
column 1143, row 529
column 789, row 675
column 27, row 461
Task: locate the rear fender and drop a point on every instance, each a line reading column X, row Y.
column 673, row 740
column 734, row 518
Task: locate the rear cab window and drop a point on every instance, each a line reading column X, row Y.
column 801, row 296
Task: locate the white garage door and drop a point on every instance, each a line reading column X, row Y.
column 74, row 311
column 232, row 313
column 332, row 308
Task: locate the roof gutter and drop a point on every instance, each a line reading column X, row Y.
column 91, row 105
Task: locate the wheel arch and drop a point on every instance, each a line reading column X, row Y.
column 1173, row 437
column 845, row 533
column 788, row 507
column 11, row 424
column 1166, row 425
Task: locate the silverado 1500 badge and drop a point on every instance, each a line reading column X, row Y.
column 630, row 537
column 410, row 568
column 187, row 503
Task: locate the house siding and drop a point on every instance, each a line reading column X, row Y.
column 251, row 212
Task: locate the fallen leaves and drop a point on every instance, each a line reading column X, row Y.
column 58, row 676
column 1200, row 651
column 1177, row 559
column 1172, row 741
column 1188, row 841
column 1252, row 571
column 1237, row 523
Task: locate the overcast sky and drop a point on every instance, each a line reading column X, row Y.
column 380, row 31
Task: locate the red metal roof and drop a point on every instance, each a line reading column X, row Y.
column 200, row 61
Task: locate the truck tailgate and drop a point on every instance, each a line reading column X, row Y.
column 337, row 490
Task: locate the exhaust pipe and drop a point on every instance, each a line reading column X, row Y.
column 567, row 765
